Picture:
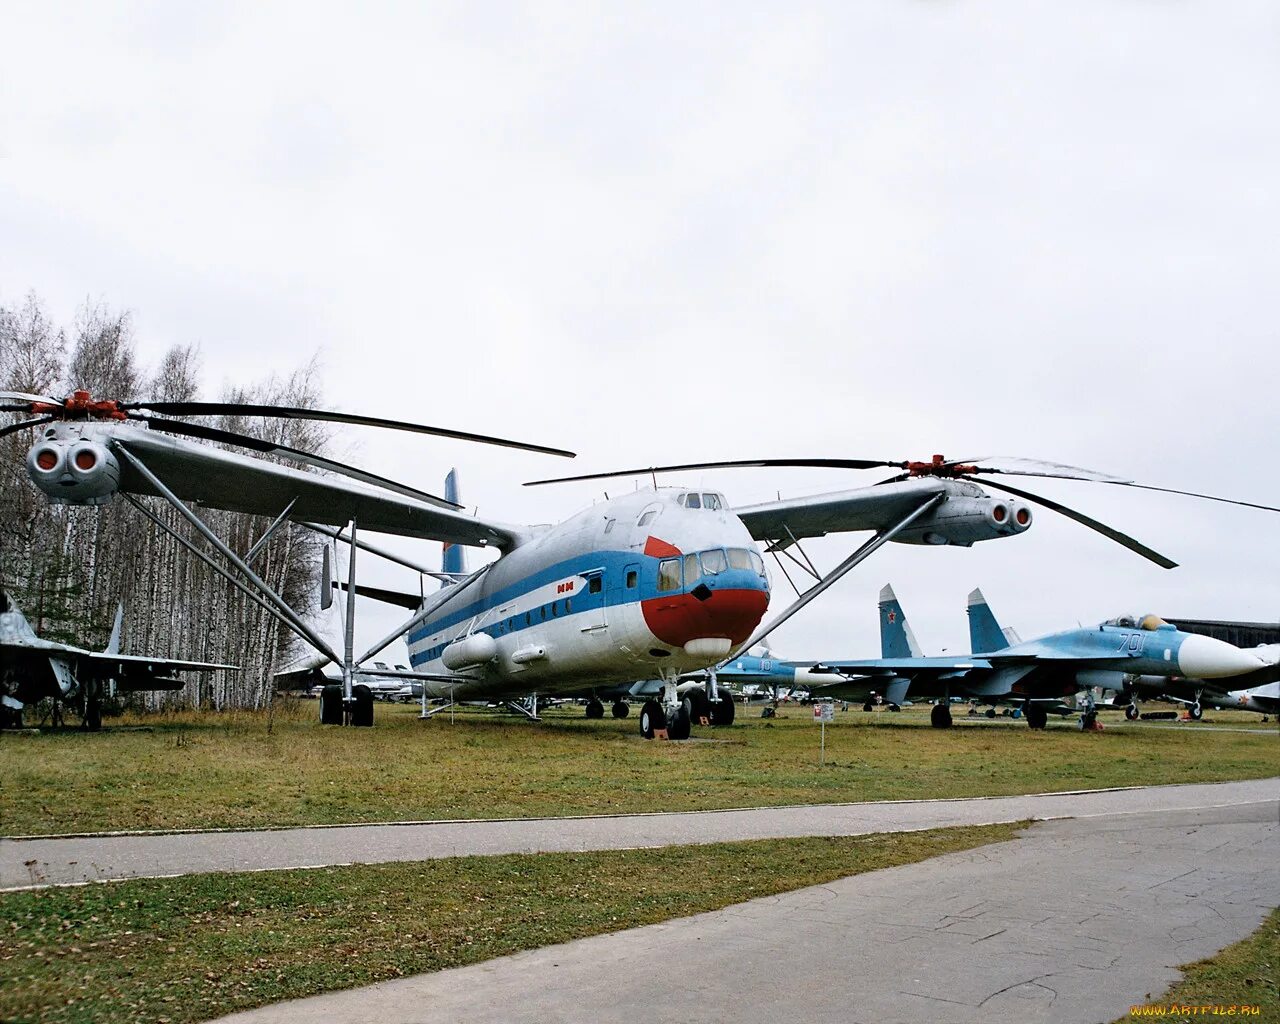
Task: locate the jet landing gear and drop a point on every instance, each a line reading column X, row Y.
column 940, row 716
column 1037, row 717
column 1196, row 712
column 621, row 709
column 1131, row 713
column 595, row 709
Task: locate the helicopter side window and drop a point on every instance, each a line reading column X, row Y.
column 713, row 562
column 691, row 567
column 739, row 559
column 648, row 515
column 757, row 563
column 669, row 574
column 631, row 579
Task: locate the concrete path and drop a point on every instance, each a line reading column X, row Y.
column 1074, row 922
column 67, row 861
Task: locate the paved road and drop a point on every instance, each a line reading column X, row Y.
column 1073, row 922
column 39, row 862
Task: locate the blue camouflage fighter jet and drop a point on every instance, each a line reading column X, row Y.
column 1037, row 674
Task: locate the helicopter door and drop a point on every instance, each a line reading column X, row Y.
column 595, row 618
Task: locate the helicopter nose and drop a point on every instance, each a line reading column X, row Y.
column 1203, row 657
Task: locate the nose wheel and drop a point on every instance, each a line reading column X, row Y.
column 940, row 716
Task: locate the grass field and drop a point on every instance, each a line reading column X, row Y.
column 1246, row 974
column 227, row 770
column 166, row 951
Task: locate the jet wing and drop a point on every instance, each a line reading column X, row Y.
column 904, row 666
column 238, row 483
column 816, row 515
column 124, row 662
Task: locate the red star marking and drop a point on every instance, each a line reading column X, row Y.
column 893, row 617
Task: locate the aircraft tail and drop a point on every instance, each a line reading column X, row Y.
column 453, row 559
column 14, row 624
column 896, row 638
column 113, row 645
column 985, row 633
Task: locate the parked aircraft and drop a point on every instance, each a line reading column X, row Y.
column 654, row 583
column 32, row 670
column 1252, row 691
column 1036, row 673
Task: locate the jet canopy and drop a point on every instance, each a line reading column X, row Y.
column 1150, row 623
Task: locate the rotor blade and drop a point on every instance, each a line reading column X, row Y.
column 739, row 464
column 1093, row 524
column 1013, row 465
column 267, row 447
column 1193, row 494
column 13, row 428
column 22, row 396
column 291, row 413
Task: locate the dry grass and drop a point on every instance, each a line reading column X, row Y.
column 228, row 770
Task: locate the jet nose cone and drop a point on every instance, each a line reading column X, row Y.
column 1203, row 657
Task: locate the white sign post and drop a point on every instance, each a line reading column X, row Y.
column 823, row 712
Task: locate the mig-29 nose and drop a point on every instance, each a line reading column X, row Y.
column 1203, row 657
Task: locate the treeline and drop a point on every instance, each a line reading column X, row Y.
column 68, row 566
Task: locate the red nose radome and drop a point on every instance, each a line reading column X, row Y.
column 731, row 614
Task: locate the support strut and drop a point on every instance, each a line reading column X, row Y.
column 864, row 552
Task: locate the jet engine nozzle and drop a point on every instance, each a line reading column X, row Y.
column 74, row 471
column 1203, row 657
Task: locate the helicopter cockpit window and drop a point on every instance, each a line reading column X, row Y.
column 648, row 515
column 711, row 501
column 669, row 574
column 713, row 562
column 739, row 559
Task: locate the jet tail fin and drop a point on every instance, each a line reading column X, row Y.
column 985, row 634
column 15, row 622
column 453, row 558
column 896, row 638
column 113, row 645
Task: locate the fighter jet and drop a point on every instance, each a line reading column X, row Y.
column 1038, row 673
column 32, row 669
column 1253, row 691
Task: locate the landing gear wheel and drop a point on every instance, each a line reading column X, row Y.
column 991, row 712
column 10, row 718
column 651, row 717
column 723, row 713
column 940, row 716
column 361, row 705
column 595, row 709
column 92, row 708
column 621, row 709
column 894, row 708
column 681, row 722
column 1131, row 712
column 1037, row 717
column 868, row 706
column 1088, row 720
column 331, row 705
column 1196, row 712
column 768, row 712
column 699, row 707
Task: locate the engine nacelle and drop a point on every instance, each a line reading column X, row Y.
column 964, row 520
column 469, row 652
column 74, row 471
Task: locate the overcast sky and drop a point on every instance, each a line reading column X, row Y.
column 685, row 231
